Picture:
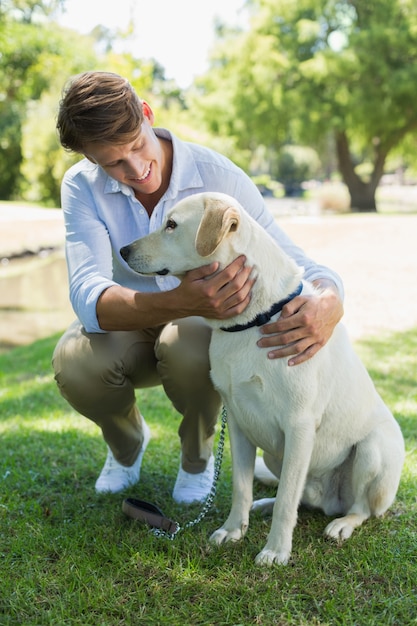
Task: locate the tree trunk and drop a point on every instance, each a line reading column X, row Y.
column 362, row 194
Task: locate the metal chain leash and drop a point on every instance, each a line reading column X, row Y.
column 210, row 498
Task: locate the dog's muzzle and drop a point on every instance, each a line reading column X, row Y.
column 125, row 252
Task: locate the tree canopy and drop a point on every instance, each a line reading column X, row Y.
column 36, row 58
column 333, row 78
column 309, row 70
column 33, row 54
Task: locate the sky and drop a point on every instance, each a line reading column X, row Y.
column 177, row 33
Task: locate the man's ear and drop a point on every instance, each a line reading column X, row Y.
column 147, row 112
column 219, row 219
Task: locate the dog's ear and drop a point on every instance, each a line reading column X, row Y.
column 219, row 219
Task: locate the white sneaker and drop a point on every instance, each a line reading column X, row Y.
column 193, row 487
column 115, row 477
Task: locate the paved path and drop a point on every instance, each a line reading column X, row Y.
column 25, row 228
column 376, row 255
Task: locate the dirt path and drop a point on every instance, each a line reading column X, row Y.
column 376, row 255
column 25, row 228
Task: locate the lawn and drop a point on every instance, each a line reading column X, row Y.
column 70, row 557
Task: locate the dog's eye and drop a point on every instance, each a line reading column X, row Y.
column 171, row 225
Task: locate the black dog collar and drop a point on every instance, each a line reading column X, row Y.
column 263, row 318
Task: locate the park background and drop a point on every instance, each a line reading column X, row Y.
column 316, row 100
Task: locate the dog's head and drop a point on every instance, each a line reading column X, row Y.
column 189, row 238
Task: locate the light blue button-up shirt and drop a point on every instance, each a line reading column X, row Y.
column 103, row 215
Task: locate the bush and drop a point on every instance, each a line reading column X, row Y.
column 295, row 165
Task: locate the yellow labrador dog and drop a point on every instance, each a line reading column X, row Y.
column 325, row 432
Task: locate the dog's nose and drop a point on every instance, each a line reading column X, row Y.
column 124, row 253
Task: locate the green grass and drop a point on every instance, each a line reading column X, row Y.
column 70, row 557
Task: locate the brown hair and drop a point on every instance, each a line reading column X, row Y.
column 98, row 107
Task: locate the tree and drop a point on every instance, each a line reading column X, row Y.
column 307, row 69
column 295, row 165
column 32, row 56
column 28, row 11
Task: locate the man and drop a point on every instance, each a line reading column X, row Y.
column 133, row 331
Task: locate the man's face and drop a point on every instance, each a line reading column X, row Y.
column 139, row 164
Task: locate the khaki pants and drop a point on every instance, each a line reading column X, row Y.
column 98, row 374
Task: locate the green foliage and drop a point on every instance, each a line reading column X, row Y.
column 28, row 11
column 37, row 58
column 295, row 165
column 10, row 147
column 306, row 70
column 33, row 58
column 267, row 186
column 339, row 76
column 70, row 557
column 45, row 162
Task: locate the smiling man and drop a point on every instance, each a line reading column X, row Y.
column 133, row 331
column 145, row 164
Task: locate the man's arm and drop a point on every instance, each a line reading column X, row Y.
column 201, row 292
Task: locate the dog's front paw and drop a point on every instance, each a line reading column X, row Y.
column 222, row 535
column 269, row 557
column 340, row 529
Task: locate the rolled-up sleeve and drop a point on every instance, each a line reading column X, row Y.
column 88, row 251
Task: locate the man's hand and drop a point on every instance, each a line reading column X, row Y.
column 217, row 295
column 305, row 325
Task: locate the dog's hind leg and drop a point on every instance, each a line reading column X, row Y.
column 263, row 472
column 267, row 471
column 376, row 471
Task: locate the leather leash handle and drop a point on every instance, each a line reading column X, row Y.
column 148, row 513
